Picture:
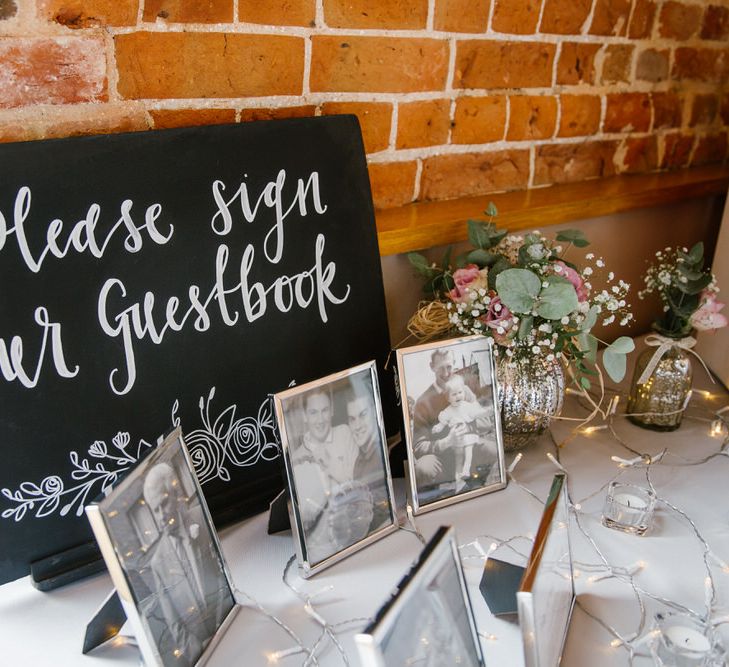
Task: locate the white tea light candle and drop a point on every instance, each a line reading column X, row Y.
column 628, row 508
column 685, row 641
column 687, row 638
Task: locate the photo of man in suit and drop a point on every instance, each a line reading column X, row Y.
column 189, row 596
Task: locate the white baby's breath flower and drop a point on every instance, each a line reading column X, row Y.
column 565, row 320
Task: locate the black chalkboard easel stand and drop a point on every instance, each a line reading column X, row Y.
column 66, row 566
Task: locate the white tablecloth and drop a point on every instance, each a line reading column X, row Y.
column 42, row 629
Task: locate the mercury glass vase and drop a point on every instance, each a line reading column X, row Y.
column 531, row 390
column 659, row 402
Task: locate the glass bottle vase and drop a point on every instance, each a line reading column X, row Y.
column 659, row 402
column 531, row 391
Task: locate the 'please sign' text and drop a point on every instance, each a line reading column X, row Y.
column 231, row 297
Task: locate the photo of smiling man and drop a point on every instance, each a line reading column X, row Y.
column 334, row 440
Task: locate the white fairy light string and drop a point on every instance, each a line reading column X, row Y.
column 637, row 642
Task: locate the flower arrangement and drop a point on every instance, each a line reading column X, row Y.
column 526, row 294
column 687, row 290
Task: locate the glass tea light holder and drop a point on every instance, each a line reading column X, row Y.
column 686, row 641
column 628, row 508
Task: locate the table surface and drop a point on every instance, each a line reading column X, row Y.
column 47, row 628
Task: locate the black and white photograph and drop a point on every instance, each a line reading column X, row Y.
column 335, row 452
column 452, row 426
column 429, row 621
column 160, row 546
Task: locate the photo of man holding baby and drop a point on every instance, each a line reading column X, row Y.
column 453, row 433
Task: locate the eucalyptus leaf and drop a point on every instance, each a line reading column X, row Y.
column 682, row 305
column 574, row 236
column 556, row 300
column 518, row 289
column 588, row 344
column 697, row 252
column 502, row 264
column 491, row 210
column 621, row 345
column 525, row 326
column 445, row 264
column 585, row 383
column 478, row 234
column 614, row 364
column 695, row 286
column 418, row 261
column 482, row 257
column 687, row 272
column 590, row 319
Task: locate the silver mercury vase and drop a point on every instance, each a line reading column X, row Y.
column 531, row 390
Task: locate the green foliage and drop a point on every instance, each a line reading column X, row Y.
column 557, row 299
column 518, row 289
column 502, row 264
column 614, row 357
column 525, row 326
column 573, row 236
column 482, row 258
column 484, row 234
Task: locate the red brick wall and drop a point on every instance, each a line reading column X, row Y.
column 455, row 97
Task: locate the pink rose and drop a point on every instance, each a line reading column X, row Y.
column 570, row 274
column 498, row 316
column 468, row 281
column 708, row 317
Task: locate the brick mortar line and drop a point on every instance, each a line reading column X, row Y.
column 532, row 166
column 489, row 21
column 306, row 84
column 435, row 35
column 430, row 19
column 410, row 154
column 452, row 50
column 282, row 101
column 394, row 126
column 541, row 16
column 418, row 179
column 590, row 17
column 112, row 72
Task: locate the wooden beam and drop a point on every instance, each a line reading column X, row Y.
column 426, row 224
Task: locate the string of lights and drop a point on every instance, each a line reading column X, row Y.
column 637, row 643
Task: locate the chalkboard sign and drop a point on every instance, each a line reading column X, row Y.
column 175, row 277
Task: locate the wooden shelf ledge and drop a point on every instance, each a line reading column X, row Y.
column 426, row 224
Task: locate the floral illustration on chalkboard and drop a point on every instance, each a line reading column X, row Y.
column 229, row 440
column 221, row 442
column 45, row 498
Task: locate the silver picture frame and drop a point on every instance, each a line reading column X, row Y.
column 336, row 460
column 546, row 595
column 428, row 620
column 455, row 448
column 160, row 546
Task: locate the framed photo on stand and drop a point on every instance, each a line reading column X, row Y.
column 546, row 596
column 160, row 546
column 335, row 455
column 453, row 437
column 429, row 620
